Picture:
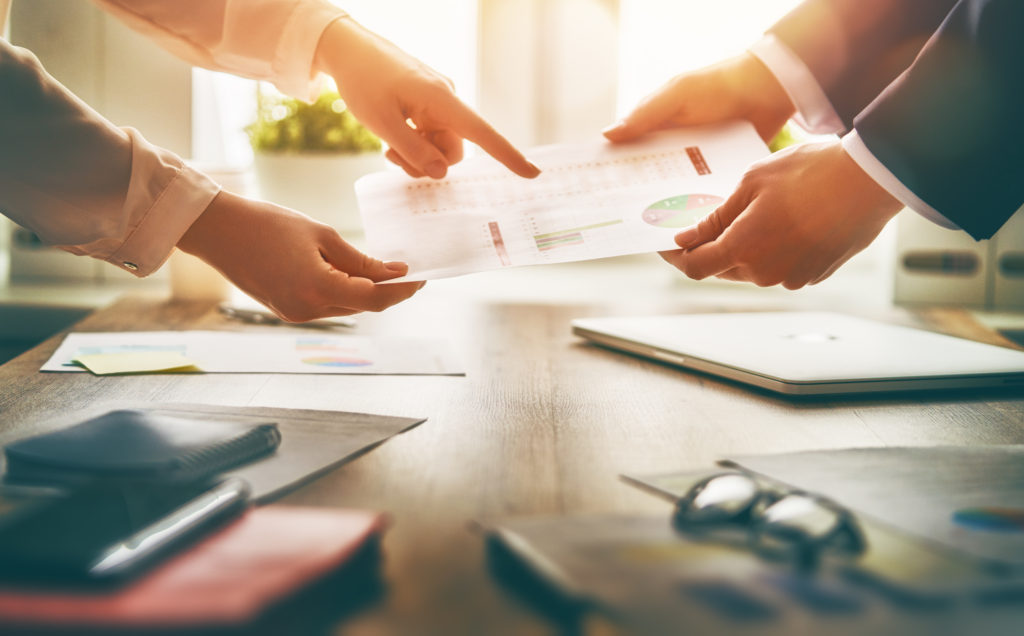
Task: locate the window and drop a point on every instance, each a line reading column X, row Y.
column 662, row 38
column 442, row 33
column 541, row 71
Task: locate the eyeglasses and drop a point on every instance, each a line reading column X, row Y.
column 796, row 526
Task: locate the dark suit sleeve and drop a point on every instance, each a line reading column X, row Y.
column 951, row 127
column 855, row 48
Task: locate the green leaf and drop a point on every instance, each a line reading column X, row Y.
column 284, row 125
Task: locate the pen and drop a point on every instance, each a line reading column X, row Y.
column 263, row 317
column 228, row 497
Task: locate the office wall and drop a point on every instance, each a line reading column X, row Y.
column 548, row 68
column 118, row 72
column 121, row 74
column 5, row 8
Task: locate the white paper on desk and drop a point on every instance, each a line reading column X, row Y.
column 231, row 352
column 592, row 200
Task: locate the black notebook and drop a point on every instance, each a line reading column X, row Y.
column 136, row 445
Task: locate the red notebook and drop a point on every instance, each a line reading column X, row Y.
column 231, row 578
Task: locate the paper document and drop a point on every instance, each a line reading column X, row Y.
column 592, row 201
column 312, row 442
column 230, row 352
column 896, row 559
column 655, row 581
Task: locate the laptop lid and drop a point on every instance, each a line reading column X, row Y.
column 810, row 353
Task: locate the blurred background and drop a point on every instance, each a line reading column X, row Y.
column 542, row 71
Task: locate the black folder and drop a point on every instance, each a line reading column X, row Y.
column 138, row 445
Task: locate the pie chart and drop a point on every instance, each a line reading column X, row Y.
column 682, row 210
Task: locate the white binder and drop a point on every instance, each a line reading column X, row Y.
column 935, row 265
column 1008, row 265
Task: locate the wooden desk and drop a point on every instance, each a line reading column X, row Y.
column 541, row 424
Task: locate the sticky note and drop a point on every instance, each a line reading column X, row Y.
column 137, row 362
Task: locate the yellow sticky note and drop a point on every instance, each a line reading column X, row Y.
column 136, row 362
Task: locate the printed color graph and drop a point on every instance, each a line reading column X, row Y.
column 571, row 236
column 991, row 519
column 332, row 353
column 499, row 243
column 681, row 211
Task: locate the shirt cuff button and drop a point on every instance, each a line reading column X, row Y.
column 129, row 265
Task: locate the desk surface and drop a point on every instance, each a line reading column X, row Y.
column 541, row 424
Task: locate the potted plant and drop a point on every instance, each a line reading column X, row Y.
column 308, row 156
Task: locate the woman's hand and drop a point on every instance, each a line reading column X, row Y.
column 301, row 269
column 407, row 103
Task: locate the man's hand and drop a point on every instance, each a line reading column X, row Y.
column 408, row 104
column 299, row 268
column 794, row 219
column 738, row 88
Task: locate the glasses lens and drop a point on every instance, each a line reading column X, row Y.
column 802, row 517
column 802, row 526
column 718, row 499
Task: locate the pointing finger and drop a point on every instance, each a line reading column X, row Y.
column 465, row 122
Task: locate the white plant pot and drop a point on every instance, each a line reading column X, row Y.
column 318, row 185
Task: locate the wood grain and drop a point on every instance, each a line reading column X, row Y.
column 541, row 424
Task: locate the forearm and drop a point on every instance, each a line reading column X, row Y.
column 337, row 44
column 813, row 110
column 855, row 48
column 950, row 127
column 272, row 40
column 815, row 114
column 205, row 236
column 81, row 183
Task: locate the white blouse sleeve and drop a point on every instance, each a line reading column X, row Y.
column 272, row 40
column 81, row 183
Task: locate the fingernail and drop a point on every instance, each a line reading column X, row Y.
column 437, row 169
column 688, row 237
column 614, row 127
column 536, row 171
column 395, row 266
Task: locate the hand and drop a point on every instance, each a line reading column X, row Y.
column 738, row 88
column 794, row 219
column 299, row 268
column 408, row 104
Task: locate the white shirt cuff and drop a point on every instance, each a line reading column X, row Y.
column 869, row 163
column 293, row 60
column 814, row 111
column 164, row 197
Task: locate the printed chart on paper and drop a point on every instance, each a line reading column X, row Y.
column 243, row 352
column 592, row 201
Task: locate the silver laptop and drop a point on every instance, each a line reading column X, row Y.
column 810, row 353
